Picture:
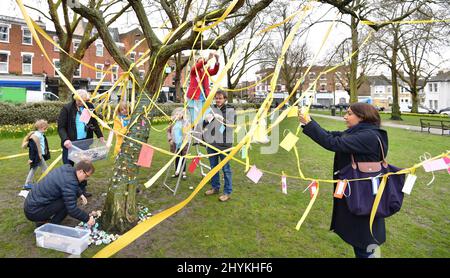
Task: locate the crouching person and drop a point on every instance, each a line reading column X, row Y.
column 56, row 195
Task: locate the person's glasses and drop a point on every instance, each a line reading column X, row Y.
column 87, row 176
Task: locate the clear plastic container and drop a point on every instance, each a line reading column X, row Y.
column 88, row 149
column 62, row 238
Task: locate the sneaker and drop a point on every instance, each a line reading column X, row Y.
column 224, row 197
column 28, row 186
column 211, row 192
column 184, row 176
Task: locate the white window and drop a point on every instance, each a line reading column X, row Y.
column 323, row 87
column 323, row 77
column 142, row 74
column 77, row 72
column 26, row 36
column 389, row 89
column 99, row 73
column 136, row 41
column 99, row 49
column 338, row 86
column 27, row 63
column 76, row 44
column 140, row 55
column 4, row 61
column 435, row 87
column 4, row 32
column 133, row 56
column 436, row 104
column 115, row 73
column 312, row 75
column 57, row 65
column 56, row 39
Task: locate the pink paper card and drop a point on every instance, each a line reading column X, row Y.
column 447, row 160
column 145, row 156
column 254, row 174
column 435, row 165
column 85, row 116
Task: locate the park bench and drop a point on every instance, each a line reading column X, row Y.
column 439, row 124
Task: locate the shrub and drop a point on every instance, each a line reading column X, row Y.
column 29, row 113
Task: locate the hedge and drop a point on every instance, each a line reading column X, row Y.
column 29, row 113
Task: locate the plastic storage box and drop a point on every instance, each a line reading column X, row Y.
column 62, row 238
column 88, row 149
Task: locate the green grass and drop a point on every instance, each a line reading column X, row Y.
column 259, row 221
column 407, row 119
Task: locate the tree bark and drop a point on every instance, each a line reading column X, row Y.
column 120, row 212
column 354, row 61
column 67, row 69
column 395, row 114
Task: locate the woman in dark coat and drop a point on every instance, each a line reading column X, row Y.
column 360, row 139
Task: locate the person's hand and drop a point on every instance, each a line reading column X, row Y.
column 209, row 117
column 30, row 161
column 68, row 144
column 303, row 117
column 83, row 200
column 95, row 213
column 102, row 139
column 218, row 117
column 211, row 55
column 91, row 221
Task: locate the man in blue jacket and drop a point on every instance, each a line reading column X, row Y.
column 56, row 195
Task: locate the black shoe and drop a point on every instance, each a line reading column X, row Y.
column 87, row 194
column 40, row 223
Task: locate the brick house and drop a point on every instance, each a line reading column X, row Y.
column 22, row 64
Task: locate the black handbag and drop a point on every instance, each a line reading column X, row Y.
column 359, row 195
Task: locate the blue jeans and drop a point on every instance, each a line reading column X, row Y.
column 215, row 181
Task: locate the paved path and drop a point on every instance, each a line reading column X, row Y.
column 389, row 124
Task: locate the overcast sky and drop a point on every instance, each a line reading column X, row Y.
column 314, row 36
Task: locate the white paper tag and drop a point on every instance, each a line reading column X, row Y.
column 409, row 183
column 283, row 185
column 340, row 189
column 435, row 165
column 24, row 193
column 375, row 184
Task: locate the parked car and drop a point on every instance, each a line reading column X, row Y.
column 445, row 111
column 423, row 109
column 343, row 106
column 318, row 105
column 379, row 108
column 50, row 96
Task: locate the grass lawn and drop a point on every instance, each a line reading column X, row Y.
column 385, row 117
column 259, row 221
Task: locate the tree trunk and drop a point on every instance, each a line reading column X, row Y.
column 396, row 114
column 230, row 86
column 415, row 100
column 120, row 212
column 67, row 69
column 178, row 72
column 354, row 62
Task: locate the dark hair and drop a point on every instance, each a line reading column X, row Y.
column 224, row 94
column 86, row 166
column 366, row 112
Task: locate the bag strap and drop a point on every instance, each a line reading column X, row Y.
column 383, row 161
